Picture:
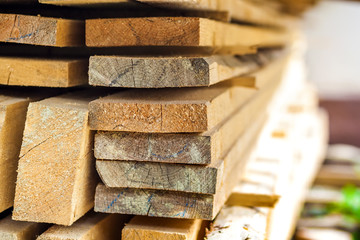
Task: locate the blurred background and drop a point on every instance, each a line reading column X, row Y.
column 332, row 210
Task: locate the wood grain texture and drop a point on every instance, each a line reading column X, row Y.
column 180, row 31
column 161, row 72
column 145, row 228
column 37, row 30
column 203, row 148
column 240, row 223
column 42, row 72
column 13, row 108
column 92, row 226
column 180, row 204
column 239, row 10
column 15, row 230
column 178, row 177
column 56, row 174
column 167, row 110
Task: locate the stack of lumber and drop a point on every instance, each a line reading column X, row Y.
column 339, row 170
column 190, row 115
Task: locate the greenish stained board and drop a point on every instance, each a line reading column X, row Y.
column 161, row 72
column 15, row 230
column 91, row 226
column 44, row 31
column 203, row 148
column 182, row 32
column 56, row 174
column 172, row 204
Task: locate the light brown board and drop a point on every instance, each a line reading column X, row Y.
column 140, row 228
column 91, row 226
column 181, row 31
column 188, row 148
column 43, row 72
column 161, row 72
column 176, row 177
column 240, row 10
column 13, row 108
column 179, row 204
column 56, row 175
column 167, row 110
column 15, row 230
column 240, row 223
column 37, row 30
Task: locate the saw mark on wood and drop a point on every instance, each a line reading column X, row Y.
column 174, row 155
column 113, row 201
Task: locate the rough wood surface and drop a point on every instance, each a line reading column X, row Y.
column 42, row 72
column 91, row 226
column 13, row 108
column 160, row 72
column 240, row 10
column 180, row 204
column 181, row 31
column 145, row 228
column 15, row 230
column 239, row 223
column 56, row 175
column 167, row 110
column 37, row 30
column 187, row 148
column 177, row 177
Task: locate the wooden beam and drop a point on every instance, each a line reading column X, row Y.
column 141, row 227
column 161, row 72
column 13, row 108
column 167, row 110
column 201, row 148
column 337, row 175
column 91, row 226
column 56, row 175
column 174, row 110
column 240, row 223
column 170, row 204
column 42, row 72
column 10, row 229
column 183, row 32
column 177, row 177
column 44, row 31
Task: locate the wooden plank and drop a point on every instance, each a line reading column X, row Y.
column 167, row 110
column 170, row 204
column 239, row 223
column 186, row 148
column 312, row 233
column 44, row 31
column 173, row 176
column 238, row 10
column 314, row 137
column 141, row 227
column 338, row 175
column 15, row 230
column 42, row 72
column 56, row 175
column 92, row 226
column 181, row 31
column 173, row 110
column 13, row 108
column 159, row 72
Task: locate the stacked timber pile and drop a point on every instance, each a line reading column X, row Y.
column 161, row 109
column 331, row 203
